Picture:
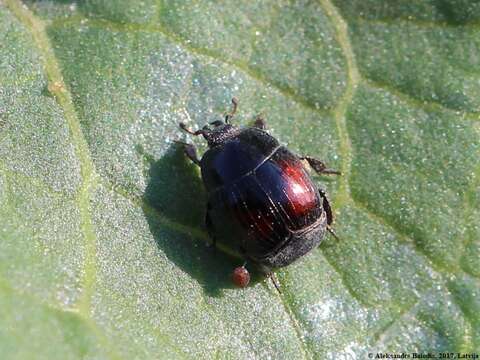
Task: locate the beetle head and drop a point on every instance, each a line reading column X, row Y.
column 220, row 133
column 217, row 135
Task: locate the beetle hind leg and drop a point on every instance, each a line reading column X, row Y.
column 332, row 232
column 319, row 166
column 326, row 206
column 328, row 210
column 274, row 280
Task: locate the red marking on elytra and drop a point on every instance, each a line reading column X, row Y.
column 259, row 217
column 298, row 188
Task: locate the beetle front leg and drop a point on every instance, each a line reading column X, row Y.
column 190, row 151
column 319, row 166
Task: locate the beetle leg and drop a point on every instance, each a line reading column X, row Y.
column 210, row 229
column 332, row 232
column 190, row 151
column 272, row 277
column 260, row 123
column 328, row 211
column 191, row 132
column 204, row 131
column 229, row 116
column 319, row 166
column 326, row 207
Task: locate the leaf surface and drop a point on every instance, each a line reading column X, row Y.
column 102, row 251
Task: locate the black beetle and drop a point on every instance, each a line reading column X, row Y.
column 262, row 203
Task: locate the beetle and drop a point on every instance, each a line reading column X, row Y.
column 262, row 203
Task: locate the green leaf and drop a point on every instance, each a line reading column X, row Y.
column 102, row 247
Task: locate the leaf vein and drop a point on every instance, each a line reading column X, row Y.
column 307, row 352
column 57, row 87
column 422, row 104
column 426, row 24
column 7, row 287
column 385, row 332
column 285, row 90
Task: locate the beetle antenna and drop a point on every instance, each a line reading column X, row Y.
column 195, row 133
column 234, row 110
column 274, row 281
